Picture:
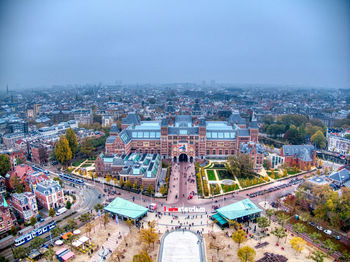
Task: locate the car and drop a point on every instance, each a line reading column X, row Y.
column 337, row 237
column 319, row 228
column 311, row 224
column 328, row 232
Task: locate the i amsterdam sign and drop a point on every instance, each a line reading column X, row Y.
column 185, row 209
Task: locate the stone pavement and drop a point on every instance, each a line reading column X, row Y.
column 111, row 243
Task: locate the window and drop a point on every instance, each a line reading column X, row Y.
column 226, row 152
column 208, row 152
column 214, row 152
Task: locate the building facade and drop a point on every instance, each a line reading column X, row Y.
column 256, row 152
column 25, row 205
column 301, row 156
column 142, row 169
column 182, row 137
column 49, row 194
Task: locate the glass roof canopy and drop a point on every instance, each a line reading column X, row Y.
column 218, row 125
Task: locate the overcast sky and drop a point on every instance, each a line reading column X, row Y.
column 287, row 42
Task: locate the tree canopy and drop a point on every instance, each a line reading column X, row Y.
column 72, row 140
column 4, row 164
column 63, row 152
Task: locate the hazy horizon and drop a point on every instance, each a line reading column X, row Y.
column 289, row 43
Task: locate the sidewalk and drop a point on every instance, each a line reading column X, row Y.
column 111, row 244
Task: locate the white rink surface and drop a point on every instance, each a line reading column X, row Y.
column 181, row 246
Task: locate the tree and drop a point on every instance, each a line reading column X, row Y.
column 319, row 140
column 36, row 242
column 150, row 190
column 282, row 218
column 71, row 224
column 129, row 222
column 128, row 184
column 4, row 164
column 57, row 231
column 68, row 204
column 299, row 228
column 318, row 256
column 87, row 147
column 142, row 257
column 32, row 221
column 246, row 254
column 121, row 182
column 240, row 165
column 62, row 150
column 88, row 228
column 13, row 231
column 86, row 216
column 72, row 140
column 263, row 222
column 270, row 213
column 105, row 219
column 16, row 184
column 52, row 212
column 58, row 180
column 98, row 207
column 108, row 178
column 49, row 254
column 20, row 252
column 330, row 246
column 135, row 186
column 148, row 236
column 239, row 236
column 293, row 136
column 2, row 259
column 315, row 236
column 279, row 233
column 297, row 243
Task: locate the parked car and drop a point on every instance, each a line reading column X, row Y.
column 337, row 237
column 328, row 232
column 319, row 228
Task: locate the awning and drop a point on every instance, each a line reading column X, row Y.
column 67, row 235
column 219, row 219
column 77, row 243
column 239, row 209
column 83, row 239
column 67, row 256
column 61, row 251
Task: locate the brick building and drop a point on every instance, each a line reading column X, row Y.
column 140, row 168
column 182, row 137
column 301, row 156
column 256, row 153
column 7, row 219
column 15, row 157
column 25, row 205
column 49, row 194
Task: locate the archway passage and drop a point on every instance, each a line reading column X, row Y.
column 183, row 158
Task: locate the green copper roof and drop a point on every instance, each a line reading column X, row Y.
column 239, row 209
column 126, row 208
column 4, row 202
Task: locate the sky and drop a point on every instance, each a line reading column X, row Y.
column 269, row 42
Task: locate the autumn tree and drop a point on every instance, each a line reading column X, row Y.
column 4, row 164
column 298, row 244
column 128, row 184
column 52, row 212
column 150, row 190
column 142, row 257
column 263, row 222
column 240, row 165
column 239, row 236
column 105, row 219
column 270, row 213
column 246, row 254
column 148, row 236
column 72, row 140
column 62, row 150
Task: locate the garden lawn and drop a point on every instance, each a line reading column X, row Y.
column 211, row 175
column 229, row 188
column 86, row 165
column 223, row 174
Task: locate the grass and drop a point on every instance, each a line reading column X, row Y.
column 211, row 175
column 229, row 188
column 86, row 165
column 223, row 174
column 77, row 163
column 292, row 172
